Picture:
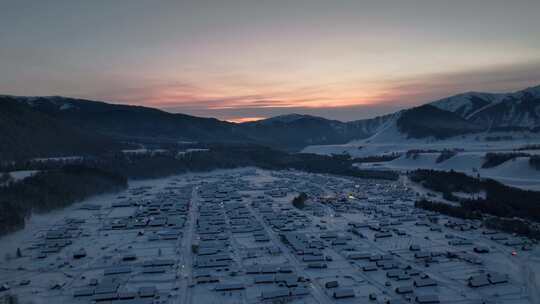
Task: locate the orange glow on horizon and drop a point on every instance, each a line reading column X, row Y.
column 245, row 119
column 256, row 97
column 289, row 96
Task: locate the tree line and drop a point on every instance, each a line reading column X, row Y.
column 497, row 199
column 53, row 189
column 59, row 183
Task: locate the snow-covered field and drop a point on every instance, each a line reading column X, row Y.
column 19, row 175
column 222, row 241
column 391, row 141
column 469, row 160
column 516, row 172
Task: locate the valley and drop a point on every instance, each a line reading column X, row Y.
column 270, row 152
column 119, row 204
column 233, row 236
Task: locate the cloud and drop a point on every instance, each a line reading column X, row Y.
column 244, row 119
column 345, row 100
column 498, row 78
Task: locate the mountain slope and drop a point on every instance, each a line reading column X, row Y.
column 126, row 122
column 134, row 123
column 519, row 110
column 296, row 131
column 467, row 103
column 27, row 133
column 99, row 121
column 429, row 121
column 516, row 110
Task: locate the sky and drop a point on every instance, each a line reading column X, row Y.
column 249, row 59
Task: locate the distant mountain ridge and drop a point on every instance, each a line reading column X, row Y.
column 520, row 109
column 104, row 122
column 27, row 133
column 456, row 115
column 128, row 122
column 465, row 113
column 297, row 131
column 136, row 123
column 429, row 121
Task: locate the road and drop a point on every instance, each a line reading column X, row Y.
column 186, row 258
column 317, row 292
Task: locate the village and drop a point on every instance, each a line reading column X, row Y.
column 234, row 236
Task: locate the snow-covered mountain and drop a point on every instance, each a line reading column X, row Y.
column 467, row 104
column 27, row 133
column 287, row 118
column 297, row 131
column 477, row 121
column 135, row 123
column 459, row 115
column 519, row 109
column 49, row 103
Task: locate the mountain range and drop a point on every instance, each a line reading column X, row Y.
column 46, row 126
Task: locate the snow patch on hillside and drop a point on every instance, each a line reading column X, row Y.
column 516, row 172
column 463, row 105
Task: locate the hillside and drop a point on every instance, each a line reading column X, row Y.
column 44, row 126
column 429, row 121
column 126, row 122
column 297, row 131
column 143, row 124
column 511, row 111
column 27, row 134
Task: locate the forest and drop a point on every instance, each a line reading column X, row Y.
column 510, row 225
column 227, row 156
column 377, row 158
column 494, row 159
column 445, row 155
column 534, row 162
column 60, row 183
column 52, row 189
column 499, row 200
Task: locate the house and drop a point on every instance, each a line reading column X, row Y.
column 299, row 291
column 275, row 293
column 207, row 279
column 424, row 282
column 105, row 297
column 85, row 292
column 331, row 284
column 117, row 270
column 495, row 278
column 422, row 255
column 478, row 281
column 404, row 289
column 81, row 253
column 126, row 295
column 427, row 299
column 394, row 273
column 263, row 278
column 358, row 255
column 229, row 287
column 481, row 249
column 371, row 267
column 395, row 301
column 318, row 265
column 342, row 293
column 147, row 292
column 129, row 257
column 414, row 247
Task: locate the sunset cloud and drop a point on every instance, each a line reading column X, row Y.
column 244, row 119
column 357, row 99
column 244, row 59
